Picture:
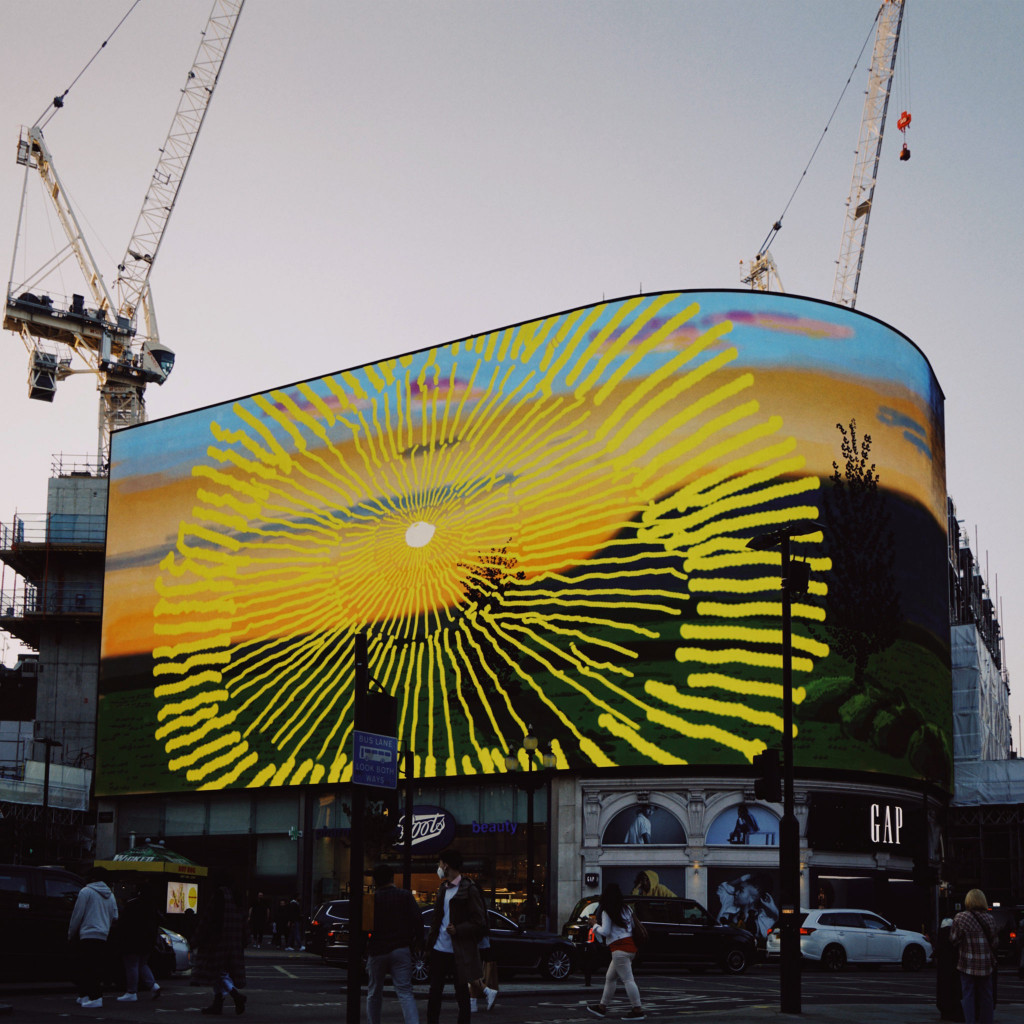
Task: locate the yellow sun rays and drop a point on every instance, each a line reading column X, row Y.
column 514, row 521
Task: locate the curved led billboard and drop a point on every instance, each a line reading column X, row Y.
column 542, row 528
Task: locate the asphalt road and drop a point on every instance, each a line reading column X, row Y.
column 286, row 987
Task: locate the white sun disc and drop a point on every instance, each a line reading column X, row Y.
column 419, row 534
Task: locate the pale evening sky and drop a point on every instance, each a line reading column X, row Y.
column 374, row 178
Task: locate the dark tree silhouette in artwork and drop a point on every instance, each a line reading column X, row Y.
column 864, row 615
column 488, row 579
column 485, row 584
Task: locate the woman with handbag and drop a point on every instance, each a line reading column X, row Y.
column 618, row 928
column 973, row 933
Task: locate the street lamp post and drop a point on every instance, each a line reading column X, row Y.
column 530, row 785
column 789, row 829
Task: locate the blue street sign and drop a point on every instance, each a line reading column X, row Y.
column 374, row 760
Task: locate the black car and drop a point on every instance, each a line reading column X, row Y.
column 1007, row 921
column 516, row 949
column 35, row 908
column 327, row 927
column 680, row 932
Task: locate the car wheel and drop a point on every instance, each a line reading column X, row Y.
column 833, row 958
column 420, row 970
column 556, row 964
column 735, row 960
column 913, row 958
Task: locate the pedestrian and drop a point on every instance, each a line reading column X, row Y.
column 259, row 919
column 220, row 951
column 136, row 933
column 947, row 981
column 486, row 986
column 280, row 923
column 293, row 925
column 459, row 921
column 397, row 931
column 94, row 914
column 615, row 929
column 974, row 936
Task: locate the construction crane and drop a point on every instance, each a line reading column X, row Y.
column 763, row 274
column 102, row 333
column 869, row 152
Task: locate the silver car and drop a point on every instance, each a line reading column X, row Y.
column 837, row 937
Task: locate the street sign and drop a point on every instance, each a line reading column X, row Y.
column 374, row 760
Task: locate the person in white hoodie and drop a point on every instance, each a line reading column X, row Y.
column 94, row 914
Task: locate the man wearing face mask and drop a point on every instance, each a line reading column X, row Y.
column 459, row 921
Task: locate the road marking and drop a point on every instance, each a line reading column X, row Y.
column 286, row 973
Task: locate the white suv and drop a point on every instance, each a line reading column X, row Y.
column 836, row 937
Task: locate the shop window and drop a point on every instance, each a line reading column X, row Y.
column 744, row 825
column 644, row 824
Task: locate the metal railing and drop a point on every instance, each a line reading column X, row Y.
column 22, row 599
column 53, row 528
column 62, row 464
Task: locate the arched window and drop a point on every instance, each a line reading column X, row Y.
column 744, row 825
column 644, row 824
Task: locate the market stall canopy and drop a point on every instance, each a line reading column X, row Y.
column 153, row 857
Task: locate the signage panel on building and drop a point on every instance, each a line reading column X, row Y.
column 542, row 523
column 865, row 824
column 433, row 829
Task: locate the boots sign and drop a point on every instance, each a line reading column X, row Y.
column 433, row 829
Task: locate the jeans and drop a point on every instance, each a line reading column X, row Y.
column 397, row 963
column 136, row 966
column 620, row 969
column 223, row 986
column 442, row 967
column 976, row 991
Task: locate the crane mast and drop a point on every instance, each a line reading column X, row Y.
column 868, row 154
column 175, row 154
column 105, row 336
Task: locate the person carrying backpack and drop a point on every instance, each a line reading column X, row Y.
column 973, row 933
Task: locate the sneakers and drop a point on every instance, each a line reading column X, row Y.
column 155, row 991
column 597, row 1009
column 472, row 1004
column 491, row 994
column 92, row 1004
column 128, row 997
column 635, row 1014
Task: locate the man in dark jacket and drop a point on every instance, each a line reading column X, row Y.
column 136, row 933
column 397, row 929
column 459, row 922
column 91, row 920
column 220, row 951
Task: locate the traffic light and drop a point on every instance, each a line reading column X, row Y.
column 767, row 779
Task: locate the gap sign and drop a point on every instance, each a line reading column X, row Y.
column 374, row 760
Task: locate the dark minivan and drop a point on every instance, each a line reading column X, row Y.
column 35, row 908
column 681, row 932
